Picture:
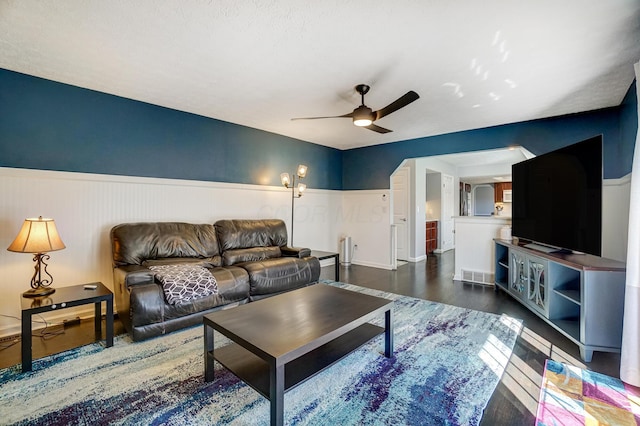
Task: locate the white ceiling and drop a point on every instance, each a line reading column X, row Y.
column 260, row 63
column 486, row 166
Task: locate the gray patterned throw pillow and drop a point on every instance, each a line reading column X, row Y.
column 183, row 282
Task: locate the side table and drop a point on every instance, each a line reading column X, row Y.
column 321, row 255
column 66, row 297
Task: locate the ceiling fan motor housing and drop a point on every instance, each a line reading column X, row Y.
column 363, row 116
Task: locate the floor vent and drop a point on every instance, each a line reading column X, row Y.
column 478, row 277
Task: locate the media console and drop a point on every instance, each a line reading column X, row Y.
column 580, row 295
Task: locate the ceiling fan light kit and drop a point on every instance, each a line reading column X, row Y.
column 363, row 116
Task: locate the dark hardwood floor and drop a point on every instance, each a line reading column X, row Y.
column 515, row 400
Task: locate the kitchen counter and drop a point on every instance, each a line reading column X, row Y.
column 484, row 219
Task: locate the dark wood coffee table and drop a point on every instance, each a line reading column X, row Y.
column 281, row 341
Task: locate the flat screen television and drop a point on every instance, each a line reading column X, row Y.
column 557, row 198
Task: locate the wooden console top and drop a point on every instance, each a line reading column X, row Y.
column 576, row 261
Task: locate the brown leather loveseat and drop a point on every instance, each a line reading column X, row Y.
column 249, row 260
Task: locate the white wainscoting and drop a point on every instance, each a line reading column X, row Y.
column 366, row 219
column 86, row 207
column 615, row 217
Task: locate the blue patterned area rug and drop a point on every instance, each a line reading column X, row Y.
column 446, row 365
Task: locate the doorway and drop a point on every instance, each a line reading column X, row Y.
column 400, row 196
column 470, row 167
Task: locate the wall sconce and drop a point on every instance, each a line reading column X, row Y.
column 38, row 236
column 291, row 183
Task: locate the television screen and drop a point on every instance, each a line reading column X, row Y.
column 557, row 198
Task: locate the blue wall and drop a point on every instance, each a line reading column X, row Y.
column 370, row 167
column 53, row 126
column 628, row 127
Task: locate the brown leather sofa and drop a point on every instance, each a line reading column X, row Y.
column 249, row 259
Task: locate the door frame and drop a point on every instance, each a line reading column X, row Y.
column 409, row 222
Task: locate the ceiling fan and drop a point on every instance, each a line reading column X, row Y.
column 363, row 116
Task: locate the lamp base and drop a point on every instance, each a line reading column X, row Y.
column 38, row 292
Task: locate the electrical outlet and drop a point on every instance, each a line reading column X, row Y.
column 12, row 338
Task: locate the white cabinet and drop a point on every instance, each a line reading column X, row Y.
column 581, row 296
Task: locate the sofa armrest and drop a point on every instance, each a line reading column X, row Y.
column 132, row 275
column 299, row 252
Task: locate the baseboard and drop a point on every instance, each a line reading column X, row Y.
column 417, row 259
column 440, row 251
column 372, row 265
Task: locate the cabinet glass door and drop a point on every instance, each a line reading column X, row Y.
column 518, row 274
column 537, row 291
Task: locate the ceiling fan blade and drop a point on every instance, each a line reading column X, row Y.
column 331, row 116
column 401, row 102
column 377, row 128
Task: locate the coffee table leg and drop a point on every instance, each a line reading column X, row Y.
column 388, row 333
column 97, row 320
column 208, row 353
column 26, row 341
column 109, row 322
column 276, row 393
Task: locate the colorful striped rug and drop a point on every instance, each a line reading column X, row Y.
column 446, row 365
column 572, row 396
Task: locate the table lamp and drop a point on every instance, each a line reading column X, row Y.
column 38, row 236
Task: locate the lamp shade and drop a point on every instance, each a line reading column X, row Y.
column 37, row 236
column 284, row 178
column 302, row 170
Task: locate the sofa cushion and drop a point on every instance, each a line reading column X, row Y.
column 231, row 257
column 183, row 282
column 285, row 273
column 242, row 234
column 207, row 263
column 133, row 243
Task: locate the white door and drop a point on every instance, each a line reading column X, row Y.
column 448, row 205
column 400, row 194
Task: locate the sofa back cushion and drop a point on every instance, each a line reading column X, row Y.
column 254, row 254
column 135, row 243
column 244, row 240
